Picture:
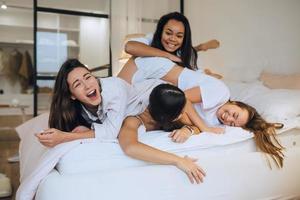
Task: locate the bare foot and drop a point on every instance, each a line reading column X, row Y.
column 210, row 73
column 211, row 44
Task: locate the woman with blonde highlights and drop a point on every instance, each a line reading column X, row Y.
column 264, row 133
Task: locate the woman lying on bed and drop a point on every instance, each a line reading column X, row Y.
column 167, row 105
column 211, row 100
column 173, row 40
column 79, row 99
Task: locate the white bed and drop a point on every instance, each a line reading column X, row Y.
column 235, row 170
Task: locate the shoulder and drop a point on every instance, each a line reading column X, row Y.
column 145, row 39
column 153, row 62
column 112, row 84
column 113, row 80
column 131, row 122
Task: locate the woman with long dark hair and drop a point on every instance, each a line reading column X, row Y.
column 173, row 40
column 80, row 100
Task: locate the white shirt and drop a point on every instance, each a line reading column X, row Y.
column 214, row 93
column 119, row 99
column 112, row 109
column 139, row 96
column 151, row 68
column 147, row 40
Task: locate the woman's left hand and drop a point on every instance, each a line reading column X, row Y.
column 180, row 135
column 51, row 137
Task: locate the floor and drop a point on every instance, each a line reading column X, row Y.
column 9, row 145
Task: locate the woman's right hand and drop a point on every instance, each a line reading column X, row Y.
column 51, row 137
column 192, row 170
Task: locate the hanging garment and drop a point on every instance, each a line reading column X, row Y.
column 4, row 62
column 15, row 64
column 26, row 72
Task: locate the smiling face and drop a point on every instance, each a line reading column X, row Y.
column 172, row 35
column 84, row 87
column 233, row 115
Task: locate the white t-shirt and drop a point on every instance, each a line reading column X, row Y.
column 214, row 92
column 147, row 40
column 139, row 96
column 151, row 68
column 111, row 111
column 119, row 99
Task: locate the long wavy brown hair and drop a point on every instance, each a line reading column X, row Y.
column 264, row 134
column 65, row 113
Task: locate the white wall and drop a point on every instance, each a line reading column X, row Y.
column 254, row 35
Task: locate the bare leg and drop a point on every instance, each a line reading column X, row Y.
column 172, row 75
column 128, row 71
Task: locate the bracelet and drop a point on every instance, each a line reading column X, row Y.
column 190, row 129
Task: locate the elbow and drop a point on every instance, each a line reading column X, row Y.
column 129, row 150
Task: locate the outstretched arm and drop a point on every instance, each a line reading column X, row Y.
column 52, row 137
column 139, row 49
column 132, row 147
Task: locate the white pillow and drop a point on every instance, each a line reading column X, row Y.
column 275, row 105
column 31, row 150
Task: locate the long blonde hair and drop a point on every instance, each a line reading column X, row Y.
column 264, row 133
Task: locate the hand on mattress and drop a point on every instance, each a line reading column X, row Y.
column 180, row 135
column 51, row 137
column 193, row 171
